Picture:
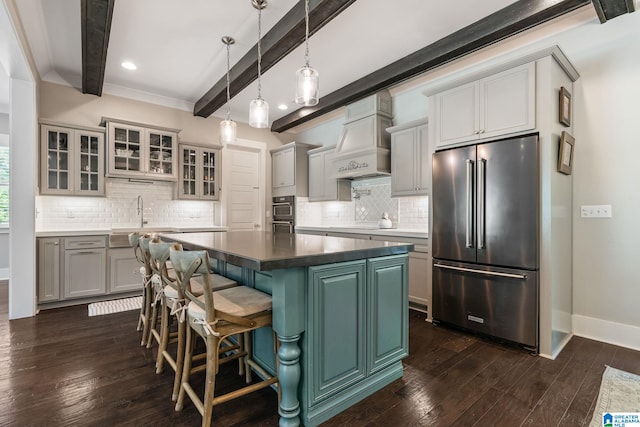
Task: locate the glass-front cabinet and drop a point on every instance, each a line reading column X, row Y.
column 71, row 161
column 199, row 172
column 140, row 151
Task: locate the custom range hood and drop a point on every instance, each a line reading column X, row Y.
column 364, row 148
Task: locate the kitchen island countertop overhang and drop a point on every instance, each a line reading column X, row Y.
column 265, row 251
column 339, row 307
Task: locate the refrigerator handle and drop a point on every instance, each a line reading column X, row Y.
column 485, row 272
column 469, row 218
column 482, row 195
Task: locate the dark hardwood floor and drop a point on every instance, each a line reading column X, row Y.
column 65, row 368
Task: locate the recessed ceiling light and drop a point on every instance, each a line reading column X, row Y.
column 283, row 107
column 129, row 65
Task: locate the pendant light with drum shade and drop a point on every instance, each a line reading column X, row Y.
column 307, row 78
column 259, row 108
column 228, row 126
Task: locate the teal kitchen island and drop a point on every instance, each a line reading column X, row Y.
column 340, row 312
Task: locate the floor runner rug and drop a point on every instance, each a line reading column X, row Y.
column 115, row 306
column 619, row 393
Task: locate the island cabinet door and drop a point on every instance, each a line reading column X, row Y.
column 336, row 328
column 388, row 315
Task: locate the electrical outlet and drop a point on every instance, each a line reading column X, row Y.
column 70, row 214
column 596, row 211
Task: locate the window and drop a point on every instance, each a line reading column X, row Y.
column 4, row 185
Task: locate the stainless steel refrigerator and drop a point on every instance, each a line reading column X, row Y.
column 485, row 238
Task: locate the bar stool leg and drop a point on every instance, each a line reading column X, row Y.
column 147, row 311
column 153, row 320
column 164, row 335
column 210, row 382
column 186, row 370
column 179, row 359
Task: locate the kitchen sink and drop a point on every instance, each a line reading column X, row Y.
column 119, row 238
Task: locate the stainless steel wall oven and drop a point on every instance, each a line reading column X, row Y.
column 283, row 210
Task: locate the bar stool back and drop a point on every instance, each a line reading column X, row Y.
column 136, row 240
column 214, row 317
column 170, row 299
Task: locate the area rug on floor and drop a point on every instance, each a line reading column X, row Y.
column 115, row 306
column 619, row 392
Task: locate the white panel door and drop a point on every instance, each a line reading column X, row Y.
column 243, row 200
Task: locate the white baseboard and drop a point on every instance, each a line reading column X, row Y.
column 610, row 332
column 4, row 274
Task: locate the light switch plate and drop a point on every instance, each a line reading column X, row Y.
column 596, row 211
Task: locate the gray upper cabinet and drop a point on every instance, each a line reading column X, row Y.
column 140, row 151
column 500, row 104
column 284, row 168
column 410, row 159
column 323, row 186
column 199, row 172
column 71, row 161
column 289, row 170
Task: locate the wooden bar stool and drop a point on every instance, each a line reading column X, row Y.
column 215, row 316
column 136, row 241
column 171, row 303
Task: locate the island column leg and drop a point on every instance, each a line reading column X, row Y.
column 288, row 293
column 289, row 379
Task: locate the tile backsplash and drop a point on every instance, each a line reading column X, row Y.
column 119, row 209
column 369, row 199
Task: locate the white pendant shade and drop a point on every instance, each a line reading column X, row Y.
column 227, row 132
column 307, row 81
column 259, row 113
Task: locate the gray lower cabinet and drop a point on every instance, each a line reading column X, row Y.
column 124, row 270
column 49, row 269
column 419, row 278
column 75, row 267
column 84, row 266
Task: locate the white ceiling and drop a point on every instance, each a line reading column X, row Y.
column 177, row 47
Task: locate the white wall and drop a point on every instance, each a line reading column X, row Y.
column 606, row 283
column 4, row 123
column 4, row 233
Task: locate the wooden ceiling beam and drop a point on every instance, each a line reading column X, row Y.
column 609, row 9
column 96, row 18
column 283, row 38
column 511, row 20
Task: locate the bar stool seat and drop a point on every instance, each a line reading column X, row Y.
column 239, row 301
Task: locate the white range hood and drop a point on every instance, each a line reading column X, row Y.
column 364, row 148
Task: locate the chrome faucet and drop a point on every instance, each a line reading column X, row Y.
column 141, row 210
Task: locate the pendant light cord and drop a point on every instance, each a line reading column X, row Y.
column 306, row 33
column 228, row 97
column 259, row 52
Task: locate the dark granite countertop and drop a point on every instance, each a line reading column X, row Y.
column 263, row 250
